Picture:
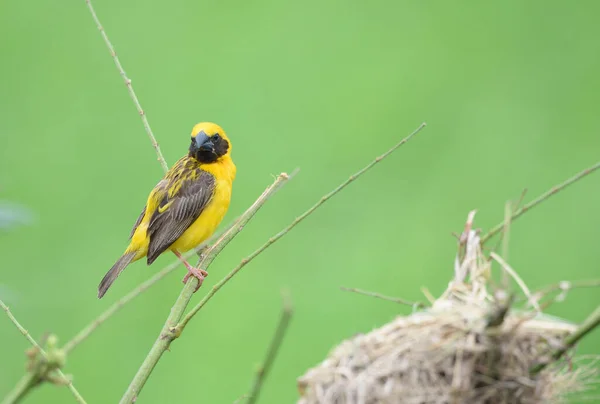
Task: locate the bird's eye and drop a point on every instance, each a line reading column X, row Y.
column 216, row 136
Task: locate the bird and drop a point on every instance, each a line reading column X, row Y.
column 185, row 207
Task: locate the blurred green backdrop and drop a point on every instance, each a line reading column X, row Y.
column 510, row 91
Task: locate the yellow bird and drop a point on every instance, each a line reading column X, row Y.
column 185, row 207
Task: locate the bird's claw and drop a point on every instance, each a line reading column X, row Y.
column 197, row 273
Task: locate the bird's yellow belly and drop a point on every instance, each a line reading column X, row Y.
column 208, row 221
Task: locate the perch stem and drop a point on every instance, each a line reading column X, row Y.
column 130, row 90
column 169, row 332
column 287, row 229
column 263, row 370
column 119, row 304
column 552, row 191
column 590, row 323
column 27, row 382
column 27, row 386
column 416, row 305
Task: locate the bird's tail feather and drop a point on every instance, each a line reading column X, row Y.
column 112, row 274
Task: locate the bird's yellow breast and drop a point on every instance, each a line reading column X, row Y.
column 224, row 173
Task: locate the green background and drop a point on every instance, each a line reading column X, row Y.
column 511, row 94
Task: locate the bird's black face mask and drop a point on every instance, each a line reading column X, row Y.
column 208, row 149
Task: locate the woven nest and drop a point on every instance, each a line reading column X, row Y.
column 469, row 347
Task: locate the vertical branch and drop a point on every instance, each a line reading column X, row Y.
column 282, row 326
column 127, row 82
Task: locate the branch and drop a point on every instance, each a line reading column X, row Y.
column 32, row 379
column 168, row 332
column 415, row 305
column 27, row 382
column 286, row 230
column 263, row 371
column 554, row 190
column 127, row 82
column 588, row 325
column 138, row 290
column 563, row 286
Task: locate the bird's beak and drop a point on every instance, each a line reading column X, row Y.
column 204, row 143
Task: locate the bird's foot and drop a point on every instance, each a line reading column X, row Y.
column 197, row 273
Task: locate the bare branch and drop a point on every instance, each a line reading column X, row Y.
column 414, row 305
column 282, row 326
column 127, row 82
column 554, row 190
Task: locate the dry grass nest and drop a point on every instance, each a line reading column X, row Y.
column 470, row 346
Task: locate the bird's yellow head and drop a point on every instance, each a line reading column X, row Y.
column 209, row 143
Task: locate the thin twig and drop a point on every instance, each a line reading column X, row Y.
column 263, row 371
column 554, row 190
column 169, row 332
column 138, row 290
column 517, row 279
column 286, row 230
column 127, row 82
column 26, row 386
column 415, row 305
column 520, row 200
column 240, row 399
column 590, row 323
column 564, row 286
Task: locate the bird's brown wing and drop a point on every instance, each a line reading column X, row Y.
column 177, row 212
column 137, row 222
